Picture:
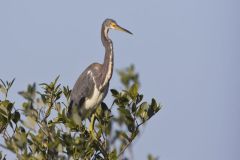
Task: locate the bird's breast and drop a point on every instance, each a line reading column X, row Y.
column 96, row 98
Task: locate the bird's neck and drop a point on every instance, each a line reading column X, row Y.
column 107, row 68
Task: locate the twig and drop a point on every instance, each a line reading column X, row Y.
column 4, row 147
column 129, row 142
column 125, row 147
column 5, row 134
column 101, row 149
column 40, row 126
column 47, row 114
column 141, row 123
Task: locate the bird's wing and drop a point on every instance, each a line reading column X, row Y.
column 84, row 86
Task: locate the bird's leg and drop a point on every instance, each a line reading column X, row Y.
column 91, row 127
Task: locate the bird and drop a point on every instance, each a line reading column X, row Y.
column 92, row 85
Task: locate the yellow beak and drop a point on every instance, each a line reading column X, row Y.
column 117, row 27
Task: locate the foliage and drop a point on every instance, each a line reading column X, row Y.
column 40, row 129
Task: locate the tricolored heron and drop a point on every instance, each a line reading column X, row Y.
column 92, row 85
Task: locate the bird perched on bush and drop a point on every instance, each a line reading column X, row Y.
column 92, row 85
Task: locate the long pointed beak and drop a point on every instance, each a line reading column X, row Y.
column 122, row 29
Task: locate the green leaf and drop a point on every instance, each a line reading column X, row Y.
column 131, row 126
column 3, row 89
column 134, row 107
column 30, row 122
column 104, row 106
column 2, row 157
column 125, row 112
column 122, row 101
column 139, row 98
column 150, row 157
column 115, row 93
column 20, row 139
column 123, row 135
column 133, row 91
column 153, row 108
column 30, row 93
column 3, row 83
column 7, row 104
column 15, row 116
column 3, row 112
column 134, row 134
column 142, row 111
column 113, row 155
column 10, row 83
column 143, row 106
column 55, row 81
column 128, row 76
column 66, row 92
column 156, row 106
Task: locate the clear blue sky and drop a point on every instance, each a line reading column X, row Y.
column 187, row 53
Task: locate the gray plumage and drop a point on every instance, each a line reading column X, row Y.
column 92, row 85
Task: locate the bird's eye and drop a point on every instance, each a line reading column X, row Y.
column 113, row 25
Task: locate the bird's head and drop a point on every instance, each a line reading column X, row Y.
column 111, row 24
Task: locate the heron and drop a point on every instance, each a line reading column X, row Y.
column 92, row 85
